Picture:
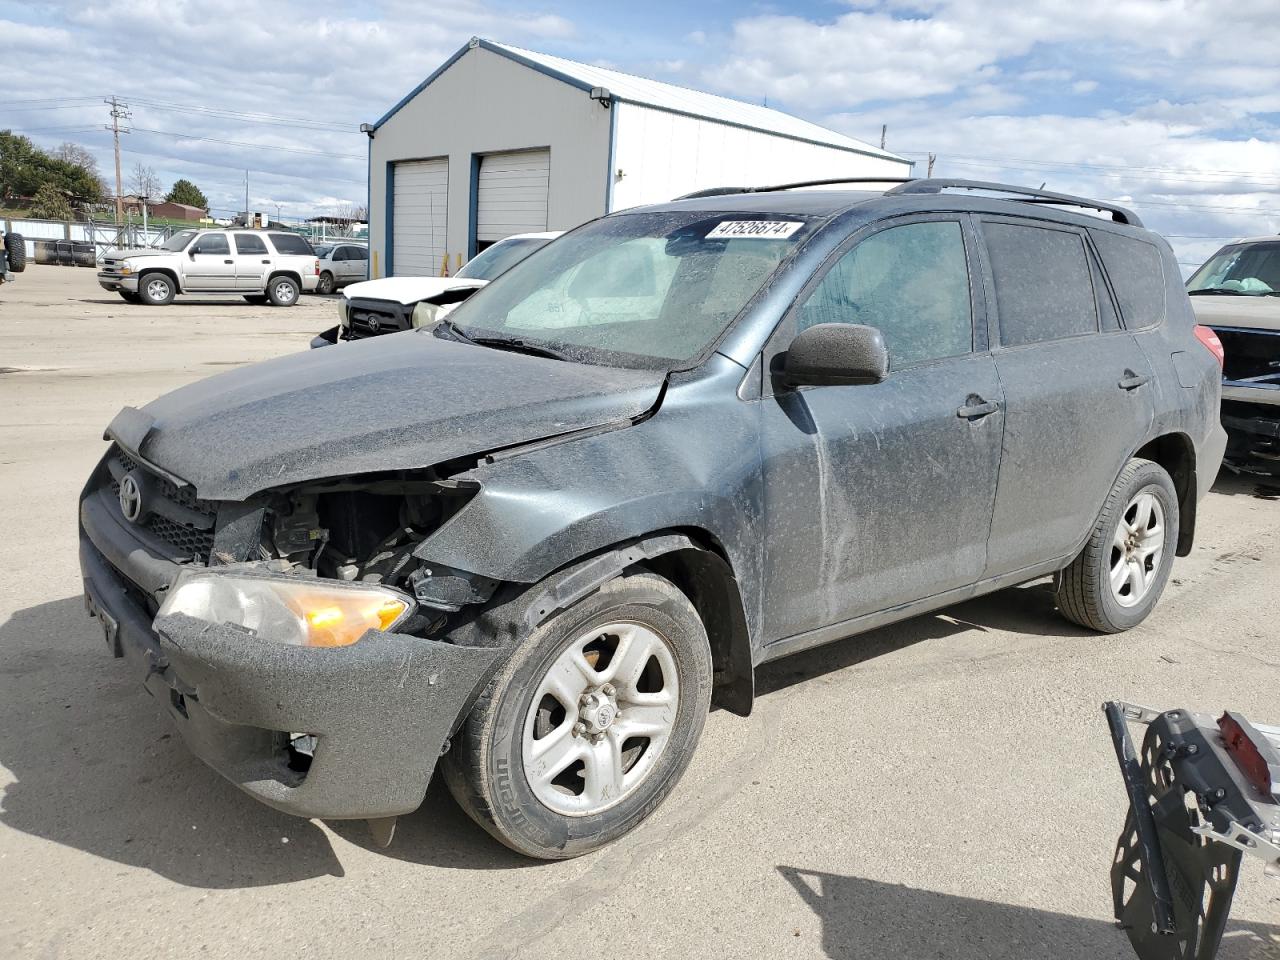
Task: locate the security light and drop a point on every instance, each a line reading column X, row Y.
column 602, row 96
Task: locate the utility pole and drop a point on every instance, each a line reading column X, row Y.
column 247, row 221
column 884, row 133
column 932, row 158
column 119, row 111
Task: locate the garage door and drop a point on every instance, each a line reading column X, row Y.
column 512, row 194
column 420, row 207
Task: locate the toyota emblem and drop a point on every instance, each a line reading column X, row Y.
column 130, row 498
column 374, row 324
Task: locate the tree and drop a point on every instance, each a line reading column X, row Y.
column 144, row 182
column 79, row 156
column 50, row 203
column 184, row 191
column 25, row 168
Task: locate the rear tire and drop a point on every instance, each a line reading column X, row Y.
column 326, row 283
column 156, row 289
column 1118, row 577
column 15, row 249
column 590, row 724
column 282, row 291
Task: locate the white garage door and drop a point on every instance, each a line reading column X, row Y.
column 420, row 208
column 512, row 194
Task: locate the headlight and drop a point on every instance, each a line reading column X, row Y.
column 126, row 268
column 305, row 613
column 424, row 314
column 343, row 306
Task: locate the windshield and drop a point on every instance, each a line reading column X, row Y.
column 642, row 289
column 1241, row 269
column 178, row 242
column 500, row 258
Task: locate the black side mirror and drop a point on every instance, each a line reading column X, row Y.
column 836, row 354
column 193, row 250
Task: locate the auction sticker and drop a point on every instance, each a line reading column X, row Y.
column 754, row 229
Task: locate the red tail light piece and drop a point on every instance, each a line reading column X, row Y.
column 1253, row 753
column 1219, row 345
column 1211, row 342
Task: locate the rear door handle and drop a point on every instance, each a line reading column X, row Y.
column 266, row 261
column 1132, row 381
column 228, row 261
column 976, row 408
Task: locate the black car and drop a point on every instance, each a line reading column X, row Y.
column 543, row 535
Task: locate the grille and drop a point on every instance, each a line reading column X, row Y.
column 372, row 319
column 185, row 540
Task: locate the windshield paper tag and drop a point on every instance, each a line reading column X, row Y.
column 754, row 229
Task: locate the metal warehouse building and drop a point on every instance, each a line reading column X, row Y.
column 501, row 140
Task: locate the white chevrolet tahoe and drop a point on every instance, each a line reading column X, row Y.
column 260, row 265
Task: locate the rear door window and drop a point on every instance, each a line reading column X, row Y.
column 911, row 282
column 1044, row 290
column 290, row 243
column 1136, row 270
column 250, row 243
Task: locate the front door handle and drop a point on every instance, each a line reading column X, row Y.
column 228, row 261
column 266, row 261
column 1132, row 381
column 975, row 408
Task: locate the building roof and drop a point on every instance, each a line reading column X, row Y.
column 627, row 88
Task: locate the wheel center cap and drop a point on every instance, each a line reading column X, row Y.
column 598, row 711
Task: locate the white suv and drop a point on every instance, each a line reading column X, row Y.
column 260, row 265
column 341, row 264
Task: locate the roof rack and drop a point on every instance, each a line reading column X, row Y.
column 724, row 191
column 1025, row 194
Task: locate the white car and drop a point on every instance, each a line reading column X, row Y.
column 341, row 264
column 260, row 265
column 391, row 304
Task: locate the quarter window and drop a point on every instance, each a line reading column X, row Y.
column 1137, row 274
column 290, row 243
column 911, row 283
column 1043, row 287
column 250, row 243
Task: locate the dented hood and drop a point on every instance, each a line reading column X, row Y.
column 403, row 401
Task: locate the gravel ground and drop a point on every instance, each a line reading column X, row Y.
column 940, row 788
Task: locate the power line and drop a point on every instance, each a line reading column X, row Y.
column 255, row 146
column 246, row 117
column 1010, row 161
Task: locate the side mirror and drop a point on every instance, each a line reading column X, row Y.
column 836, row 354
column 192, row 251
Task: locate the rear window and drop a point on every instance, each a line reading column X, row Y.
column 1043, row 287
column 289, row 243
column 1136, row 271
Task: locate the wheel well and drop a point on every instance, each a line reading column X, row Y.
column 291, row 274
column 704, row 575
column 1175, row 452
column 177, row 284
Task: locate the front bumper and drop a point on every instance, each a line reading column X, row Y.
column 116, row 281
column 381, row 710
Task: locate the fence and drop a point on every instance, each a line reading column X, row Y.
column 103, row 236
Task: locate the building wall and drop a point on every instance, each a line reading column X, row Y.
column 665, row 155
column 485, row 103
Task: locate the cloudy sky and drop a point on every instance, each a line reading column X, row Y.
column 1170, row 105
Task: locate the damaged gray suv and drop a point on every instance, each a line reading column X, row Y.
column 533, row 543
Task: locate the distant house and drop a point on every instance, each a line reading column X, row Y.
column 163, row 210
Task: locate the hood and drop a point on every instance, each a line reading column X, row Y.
column 1257, row 313
column 119, row 253
column 408, row 290
column 404, row 401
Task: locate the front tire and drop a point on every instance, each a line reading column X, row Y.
column 325, row 285
column 156, row 289
column 128, row 296
column 1115, row 582
column 590, row 724
column 282, row 291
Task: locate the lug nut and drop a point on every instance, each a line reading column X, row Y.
column 579, row 729
column 608, row 690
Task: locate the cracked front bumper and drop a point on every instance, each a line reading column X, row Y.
column 381, row 709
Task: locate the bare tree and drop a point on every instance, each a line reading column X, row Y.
column 80, row 156
column 144, row 182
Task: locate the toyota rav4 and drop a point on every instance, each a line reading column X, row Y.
column 536, row 540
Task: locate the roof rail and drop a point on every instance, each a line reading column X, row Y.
column 724, row 191
column 1118, row 214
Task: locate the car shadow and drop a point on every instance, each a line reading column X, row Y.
column 869, row 920
column 1231, row 484
column 1027, row 609
column 97, row 766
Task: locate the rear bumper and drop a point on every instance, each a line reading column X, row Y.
column 381, row 709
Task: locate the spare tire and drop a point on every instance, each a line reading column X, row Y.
column 15, row 249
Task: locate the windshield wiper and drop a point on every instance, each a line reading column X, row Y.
column 1215, row 291
column 455, row 331
column 516, row 345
